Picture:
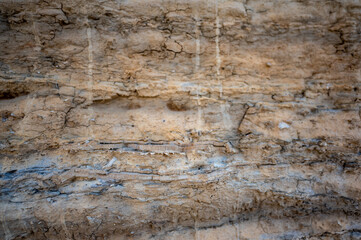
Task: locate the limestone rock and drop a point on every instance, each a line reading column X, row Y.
column 180, row 119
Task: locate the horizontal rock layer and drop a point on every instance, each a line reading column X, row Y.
column 191, row 119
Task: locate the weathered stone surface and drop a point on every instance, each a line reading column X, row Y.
column 191, row 119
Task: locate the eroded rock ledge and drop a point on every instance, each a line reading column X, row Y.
column 170, row 119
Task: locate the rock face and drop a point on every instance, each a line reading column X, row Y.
column 166, row 119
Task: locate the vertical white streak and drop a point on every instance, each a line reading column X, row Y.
column 90, row 55
column 37, row 41
column 36, row 37
column 36, row 33
column 218, row 58
column 225, row 115
column 65, row 228
column 198, row 45
column 227, row 122
column 196, row 237
column 197, row 65
column 237, row 230
column 90, row 78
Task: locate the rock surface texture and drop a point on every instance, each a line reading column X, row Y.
column 194, row 119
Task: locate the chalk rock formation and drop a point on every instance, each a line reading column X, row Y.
column 194, row 119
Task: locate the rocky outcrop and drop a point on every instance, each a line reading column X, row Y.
column 188, row 119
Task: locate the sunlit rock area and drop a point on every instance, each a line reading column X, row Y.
column 192, row 119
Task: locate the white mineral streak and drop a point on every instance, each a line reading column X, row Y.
column 90, row 79
column 111, row 162
column 283, row 125
column 218, row 58
column 197, row 65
